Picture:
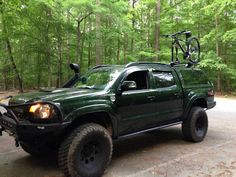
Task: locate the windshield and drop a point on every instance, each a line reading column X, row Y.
column 100, row 78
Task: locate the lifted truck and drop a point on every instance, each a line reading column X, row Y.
column 80, row 120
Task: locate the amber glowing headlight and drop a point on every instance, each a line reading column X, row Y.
column 42, row 111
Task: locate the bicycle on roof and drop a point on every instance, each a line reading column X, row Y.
column 190, row 47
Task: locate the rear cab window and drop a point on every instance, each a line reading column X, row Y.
column 193, row 77
column 163, row 79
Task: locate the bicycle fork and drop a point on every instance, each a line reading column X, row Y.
column 174, row 59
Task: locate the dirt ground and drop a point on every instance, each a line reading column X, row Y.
column 163, row 153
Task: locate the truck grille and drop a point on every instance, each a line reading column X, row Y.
column 18, row 111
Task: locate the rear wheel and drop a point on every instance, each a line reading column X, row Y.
column 193, row 50
column 86, row 152
column 195, row 127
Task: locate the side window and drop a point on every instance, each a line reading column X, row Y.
column 194, row 77
column 163, row 79
column 140, row 78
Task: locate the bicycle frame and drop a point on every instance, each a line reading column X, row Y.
column 176, row 42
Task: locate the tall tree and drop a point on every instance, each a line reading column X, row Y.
column 98, row 36
column 157, row 29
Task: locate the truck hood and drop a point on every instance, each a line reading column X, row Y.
column 56, row 95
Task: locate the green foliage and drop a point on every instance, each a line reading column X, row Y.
column 45, row 36
column 212, row 62
column 230, row 36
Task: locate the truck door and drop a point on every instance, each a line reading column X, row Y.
column 136, row 106
column 169, row 97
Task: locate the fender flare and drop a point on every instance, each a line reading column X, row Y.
column 82, row 111
column 190, row 103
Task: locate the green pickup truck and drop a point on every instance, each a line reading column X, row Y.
column 79, row 121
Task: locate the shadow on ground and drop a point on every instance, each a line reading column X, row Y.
column 144, row 141
column 25, row 165
column 47, row 163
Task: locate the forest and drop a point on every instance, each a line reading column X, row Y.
column 39, row 38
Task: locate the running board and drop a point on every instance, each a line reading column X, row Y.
column 151, row 129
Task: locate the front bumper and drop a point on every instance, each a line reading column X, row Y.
column 25, row 129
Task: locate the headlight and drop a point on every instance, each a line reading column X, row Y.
column 42, row 111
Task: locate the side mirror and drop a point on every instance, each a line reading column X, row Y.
column 128, row 85
column 75, row 68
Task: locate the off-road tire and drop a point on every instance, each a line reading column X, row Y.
column 38, row 150
column 86, row 152
column 194, row 128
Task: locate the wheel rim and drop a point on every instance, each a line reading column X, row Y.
column 90, row 154
column 200, row 126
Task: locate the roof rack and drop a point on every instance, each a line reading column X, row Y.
column 186, row 65
column 143, row 63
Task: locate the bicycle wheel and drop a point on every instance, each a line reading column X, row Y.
column 193, row 49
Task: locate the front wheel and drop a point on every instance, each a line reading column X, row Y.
column 194, row 128
column 86, row 152
column 193, row 50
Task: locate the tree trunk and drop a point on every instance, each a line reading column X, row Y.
column 68, row 57
column 89, row 54
column 39, row 71
column 125, row 47
column 82, row 45
column 48, row 48
column 157, row 29
column 118, row 51
column 78, row 40
column 148, row 30
column 79, row 36
column 225, row 56
column 90, row 45
column 133, row 26
column 5, row 79
column 5, row 71
column 48, row 58
column 59, row 72
column 218, row 53
column 98, row 37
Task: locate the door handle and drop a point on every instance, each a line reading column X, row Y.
column 151, row 97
